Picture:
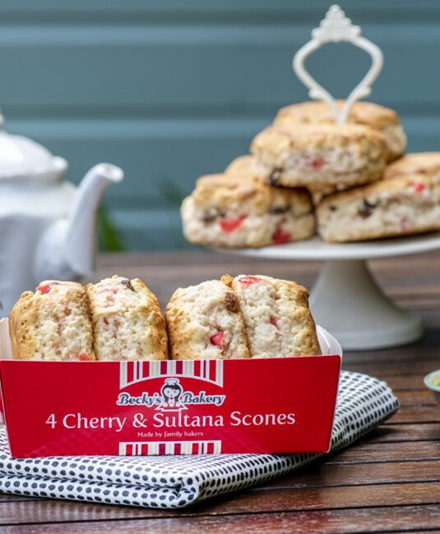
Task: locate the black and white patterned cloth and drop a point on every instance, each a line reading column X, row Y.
column 179, row 481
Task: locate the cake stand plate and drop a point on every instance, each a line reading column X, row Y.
column 346, row 300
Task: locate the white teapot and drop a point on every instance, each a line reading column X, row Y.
column 47, row 225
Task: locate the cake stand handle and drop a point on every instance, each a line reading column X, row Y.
column 335, row 28
column 347, row 302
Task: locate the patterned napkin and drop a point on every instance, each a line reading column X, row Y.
column 178, row 481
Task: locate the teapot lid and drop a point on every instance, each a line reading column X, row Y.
column 23, row 159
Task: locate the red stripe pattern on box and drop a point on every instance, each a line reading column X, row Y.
column 207, row 370
column 169, row 447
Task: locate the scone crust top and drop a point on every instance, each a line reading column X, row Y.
column 417, row 182
column 227, row 190
column 242, row 165
column 366, row 113
column 427, row 163
column 278, row 139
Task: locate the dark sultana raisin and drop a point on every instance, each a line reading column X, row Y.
column 278, row 210
column 231, row 302
column 366, row 208
column 275, row 176
column 333, row 208
column 126, row 282
column 211, row 214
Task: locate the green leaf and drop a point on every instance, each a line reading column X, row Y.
column 109, row 237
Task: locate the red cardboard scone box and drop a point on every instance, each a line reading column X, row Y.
column 280, row 405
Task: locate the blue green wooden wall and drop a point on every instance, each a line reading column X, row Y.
column 172, row 89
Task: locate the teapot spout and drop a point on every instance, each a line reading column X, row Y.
column 66, row 250
column 80, row 234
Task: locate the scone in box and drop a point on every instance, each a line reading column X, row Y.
column 280, row 405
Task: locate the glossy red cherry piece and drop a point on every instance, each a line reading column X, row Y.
column 45, row 289
column 281, row 236
column 318, row 164
column 230, row 225
column 418, row 187
column 249, row 280
column 217, row 340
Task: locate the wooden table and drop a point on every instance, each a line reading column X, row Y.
column 388, row 482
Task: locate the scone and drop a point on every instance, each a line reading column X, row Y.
column 127, row 321
column 397, row 206
column 319, row 155
column 384, row 120
column 205, row 322
column 52, row 324
column 236, row 209
column 319, row 192
column 276, row 315
column 242, row 165
column 427, row 163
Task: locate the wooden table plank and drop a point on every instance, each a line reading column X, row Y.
column 403, row 433
column 396, row 519
column 371, row 451
column 415, row 414
column 388, row 482
column 416, row 398
column 384, row 370
column 405, row 382
column 331, row 498
column 329, row 475
column 266, row 500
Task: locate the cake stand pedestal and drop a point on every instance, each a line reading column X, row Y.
column 346, row 299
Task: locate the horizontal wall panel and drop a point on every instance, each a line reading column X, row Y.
column 226, row 67
column 161, row 159
column 231, row 7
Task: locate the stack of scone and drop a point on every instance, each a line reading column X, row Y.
column 306, row 168
column 120, row 319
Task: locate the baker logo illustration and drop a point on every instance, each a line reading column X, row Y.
column 170, row 398
column 171, row 393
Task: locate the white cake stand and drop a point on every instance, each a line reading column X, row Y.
column 346, row 299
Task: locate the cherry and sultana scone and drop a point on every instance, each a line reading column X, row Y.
column 127, row 321
column 319, row 155
column 384, row 120
column 205, row 322
column 243, row 165
column 397, row 206
column 427, row 163
column 276, row 315
column 236, row 209
column 241, row 317
column 52, row 324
